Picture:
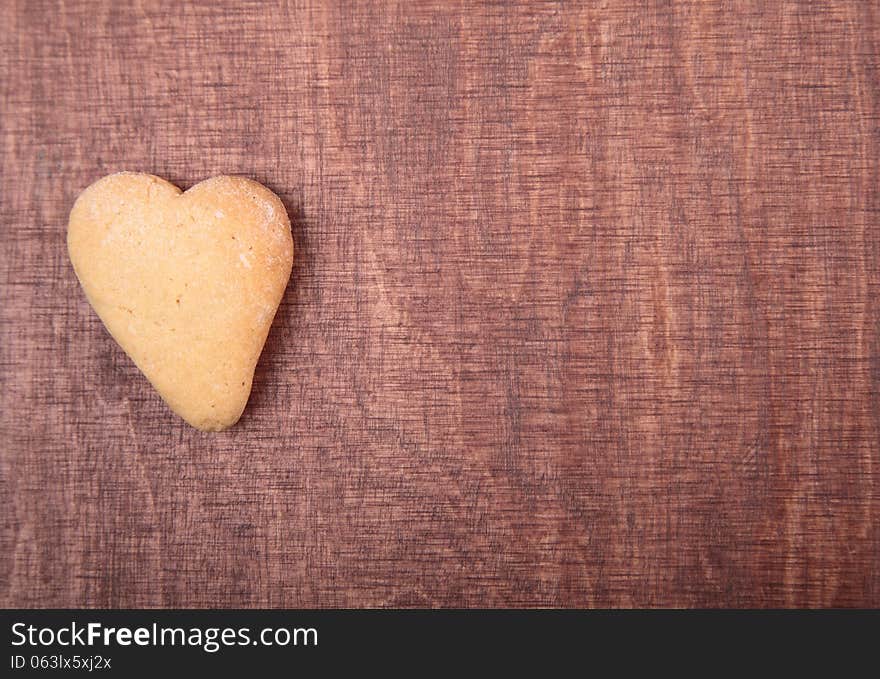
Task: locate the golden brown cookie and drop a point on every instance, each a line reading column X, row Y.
column 187, row 283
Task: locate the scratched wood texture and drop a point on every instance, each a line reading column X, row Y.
column 584, row 309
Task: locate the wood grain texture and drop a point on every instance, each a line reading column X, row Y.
column 584, row 312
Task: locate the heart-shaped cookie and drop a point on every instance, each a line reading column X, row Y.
column 187, row 283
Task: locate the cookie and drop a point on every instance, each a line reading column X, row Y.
column 186, row 282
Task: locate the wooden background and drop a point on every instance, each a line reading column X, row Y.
column 584, row 311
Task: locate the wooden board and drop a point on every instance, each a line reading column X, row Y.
column 584, row 310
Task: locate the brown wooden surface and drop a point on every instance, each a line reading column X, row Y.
column 584, row 311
